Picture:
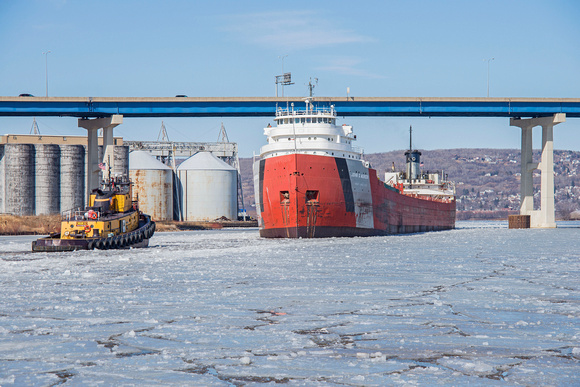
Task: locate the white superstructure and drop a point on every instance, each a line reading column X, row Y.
column 310, row 131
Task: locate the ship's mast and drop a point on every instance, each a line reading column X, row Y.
column 311, row 86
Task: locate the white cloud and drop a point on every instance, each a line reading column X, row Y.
column 291, row 31
column 348, row 66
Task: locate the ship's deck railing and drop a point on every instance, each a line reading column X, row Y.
column 443, row 197
column 80, row 214
column 313, row 111
column 357, row 149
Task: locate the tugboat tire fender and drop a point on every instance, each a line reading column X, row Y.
column 91, row 245
column 101, row 244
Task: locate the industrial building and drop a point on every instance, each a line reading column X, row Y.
column 48, row 174
column 45, row 179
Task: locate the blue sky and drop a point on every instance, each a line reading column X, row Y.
column 234, row 48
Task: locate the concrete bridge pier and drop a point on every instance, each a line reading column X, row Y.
column 545, row 216
column 92, row 126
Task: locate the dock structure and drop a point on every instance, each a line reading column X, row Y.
column 106, row 113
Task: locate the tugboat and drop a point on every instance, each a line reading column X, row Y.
column 111, row 221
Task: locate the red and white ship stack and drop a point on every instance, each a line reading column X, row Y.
column 311, row 181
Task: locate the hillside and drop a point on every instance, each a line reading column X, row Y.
column 486, row 180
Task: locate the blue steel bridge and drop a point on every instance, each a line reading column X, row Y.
column 95, row 107
column 95, row 113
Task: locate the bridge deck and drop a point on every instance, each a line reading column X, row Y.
column 90, row 107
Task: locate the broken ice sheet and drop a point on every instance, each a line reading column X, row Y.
column 480, row 304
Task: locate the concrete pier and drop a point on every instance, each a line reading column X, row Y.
column 545, row 216
column 92, row 126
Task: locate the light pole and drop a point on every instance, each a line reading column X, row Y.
column 488, row 60
column 46, row 68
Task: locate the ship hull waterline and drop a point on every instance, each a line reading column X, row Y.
column 311, row 196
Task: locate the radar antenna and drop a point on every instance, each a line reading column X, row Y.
column 311, row 86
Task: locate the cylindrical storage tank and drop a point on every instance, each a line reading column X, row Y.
column 19, row 179
column 152, row 185
column 47, row 174
column 120, row 160
column 121, row 155
column 72, row 177
column 209, row 188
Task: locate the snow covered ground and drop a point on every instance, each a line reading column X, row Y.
column 479, row 305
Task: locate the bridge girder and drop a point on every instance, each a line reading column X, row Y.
column 88, row 107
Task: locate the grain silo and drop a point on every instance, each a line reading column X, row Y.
column 19, row 179
column 120, row 160
column 121, row 156
column 152, row 185
column 47, row 174
column 209, row 188
column 72, row 177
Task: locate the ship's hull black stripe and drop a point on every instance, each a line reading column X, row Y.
column 261, row 187
column 342, row 169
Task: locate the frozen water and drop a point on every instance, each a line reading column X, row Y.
column 480, row 305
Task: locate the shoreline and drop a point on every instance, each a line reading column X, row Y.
column 11, row 225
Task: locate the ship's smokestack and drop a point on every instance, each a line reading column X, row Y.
column 413, row 159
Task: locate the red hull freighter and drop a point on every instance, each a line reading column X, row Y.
column 310, row 181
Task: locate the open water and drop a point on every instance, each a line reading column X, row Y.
column 479, row 305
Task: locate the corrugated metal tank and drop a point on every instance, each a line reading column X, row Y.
column 72, row 177
column 209, row 188
column 47, row 174
column 152, row 185
column 19, row 179
column 120, row 159
column 121, row 156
